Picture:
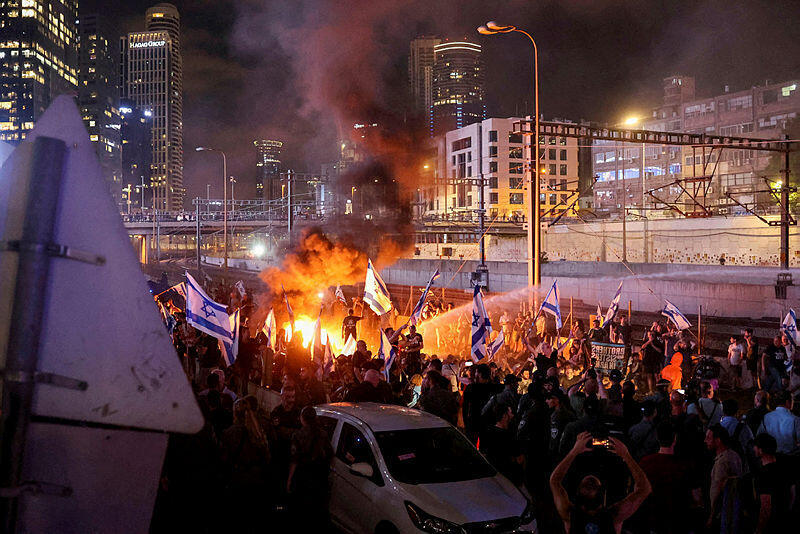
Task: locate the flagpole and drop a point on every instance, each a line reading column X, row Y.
column 699, row 314
column 571, row 320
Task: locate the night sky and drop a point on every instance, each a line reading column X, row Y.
column 286, row 69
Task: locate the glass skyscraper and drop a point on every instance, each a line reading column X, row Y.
column 38, row 60
column 458, row 92
column 152, row 75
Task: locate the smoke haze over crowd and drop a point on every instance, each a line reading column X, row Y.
column 275, row 68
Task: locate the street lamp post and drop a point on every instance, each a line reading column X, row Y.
column 208, row 192
column 127, row 190
column 233, row 199
column 534, row 211
column 224, row 201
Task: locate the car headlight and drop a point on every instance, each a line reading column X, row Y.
column 428, row 523
column 527, row 514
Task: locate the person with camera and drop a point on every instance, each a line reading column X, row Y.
column 589, row 511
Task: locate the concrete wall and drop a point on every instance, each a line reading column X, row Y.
column 742, row 240
column 722, row 291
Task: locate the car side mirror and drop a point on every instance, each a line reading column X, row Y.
column 361, row 469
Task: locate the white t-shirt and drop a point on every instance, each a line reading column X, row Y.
column 735, row 354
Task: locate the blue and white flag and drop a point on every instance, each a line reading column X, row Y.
column 672, row 313
column 416, row 315
column 288, row 308
column 598, row 314
column 496, row 345
column 317, row 346
column 230, row 349
column 240, row 288
column 375, row 292
column 327, row 361
column 205, row 314
column 789, row 328
column 550, row 304
column 614, row 307
column 387, row 353
column 481, row 327
column 270, row 329
column 340, row 295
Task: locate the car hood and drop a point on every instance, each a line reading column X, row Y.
column 468, row 501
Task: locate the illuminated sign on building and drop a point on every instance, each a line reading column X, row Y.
column 148, row 44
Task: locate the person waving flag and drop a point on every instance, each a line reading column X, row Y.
column 481, row 327
column 230, row 349
column 789, row 327
column 375, row 292
column 340, row 295
column 416, row 315
column 288, row 307
column 550, row 304
column 496, row 345
column 672, row 313
column 614, row 307
column 387, row 353
column 270, row 329
column 206, row 315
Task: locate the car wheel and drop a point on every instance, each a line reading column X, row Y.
column 384, row 527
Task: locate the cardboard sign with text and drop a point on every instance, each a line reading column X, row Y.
column 608, row 356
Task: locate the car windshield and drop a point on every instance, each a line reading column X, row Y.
column 431, row 455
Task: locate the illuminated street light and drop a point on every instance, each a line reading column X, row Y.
column 630, row 121
column 258, row 250
column 534, row 209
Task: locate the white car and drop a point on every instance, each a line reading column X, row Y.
column 400, row 470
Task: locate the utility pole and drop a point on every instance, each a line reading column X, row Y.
column 197, row 219
column 785, row 208
column 624, row 209
column 158, row 235
column 482, row 271
column 644, row 212
column 289, row 203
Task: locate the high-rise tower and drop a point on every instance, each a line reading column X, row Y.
column 152, row 74
column 98, row 94
column 38, row 60
column 420, row 72
column 268, row 180
column 458, row 93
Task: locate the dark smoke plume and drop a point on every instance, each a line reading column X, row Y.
column 344, row 73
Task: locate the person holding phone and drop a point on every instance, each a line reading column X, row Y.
column 589, row 511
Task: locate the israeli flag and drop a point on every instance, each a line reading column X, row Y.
column 270, row 329
column 230, row 349
column 614, row 307
column 599, row 314
column 496, row 345
column 789, row 327
column 316, row 345
column 672, row 313
column 387, row 353
column 550, row 304
column 288, row 308
column 240, row 288
column 481, row 327
column 327, row 361
column 416, row 315
column 205, row 314
column 340, row 295
column 375, row 292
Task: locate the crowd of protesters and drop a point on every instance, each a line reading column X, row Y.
column 653, row 447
